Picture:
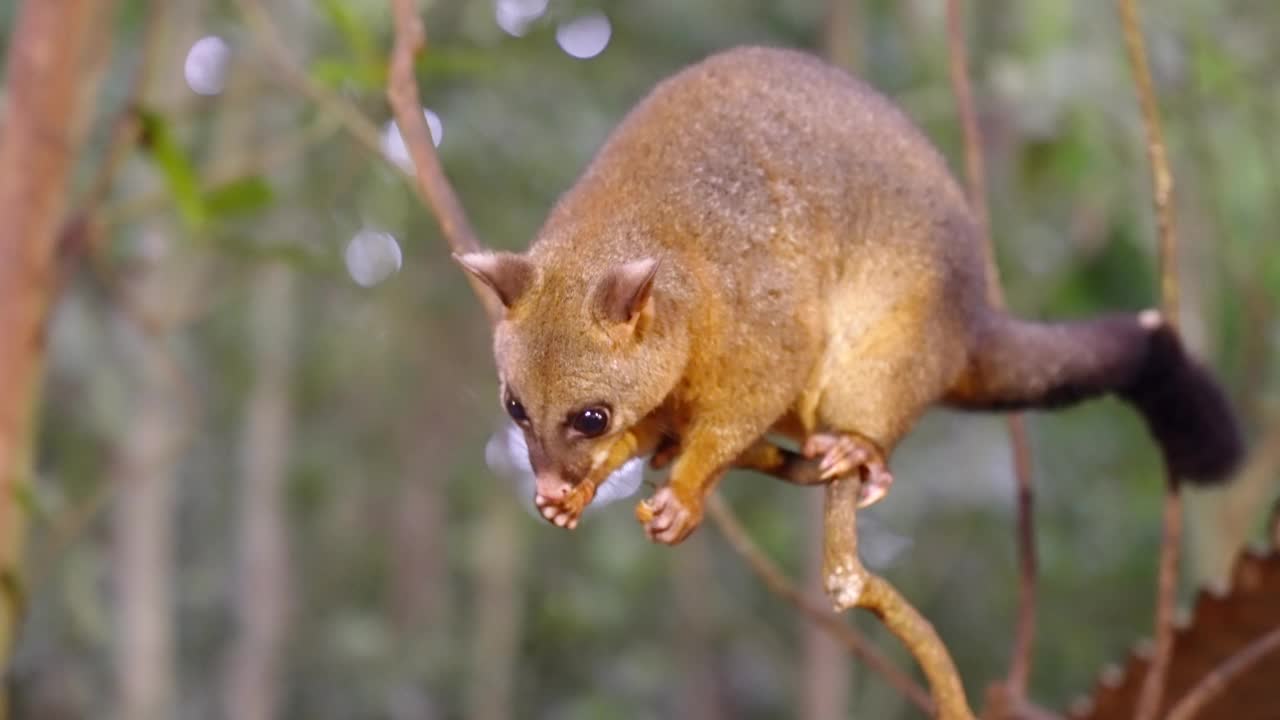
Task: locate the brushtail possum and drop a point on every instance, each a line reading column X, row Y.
column 767, row 246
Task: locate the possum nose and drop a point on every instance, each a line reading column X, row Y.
column 551, row 486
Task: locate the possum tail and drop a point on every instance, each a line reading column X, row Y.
column 1017, row 365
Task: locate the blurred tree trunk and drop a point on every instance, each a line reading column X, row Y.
column 499, row 596
column 40, row 135
column 695, row 617
column 143, row 472
column 262, row 589
column 149, row 449
column 262, row 600
column 420, row 551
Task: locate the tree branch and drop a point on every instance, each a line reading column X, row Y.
column 1015, row 686
column 850, row 584
column 402, row 92
column 777, row 583
column 40, row 134
column 1153, row 686
column 1221, row 677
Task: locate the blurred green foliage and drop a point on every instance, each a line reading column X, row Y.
column 392, row 394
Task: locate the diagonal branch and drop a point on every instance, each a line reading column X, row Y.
column 1015, row 687
column 402, row 92
column 1153, row 686
column 780, row 585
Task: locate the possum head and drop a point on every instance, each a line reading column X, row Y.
column 583, row 353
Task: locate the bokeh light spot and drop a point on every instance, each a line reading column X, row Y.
column 393, row 145
column 205, row 68
column 586, row 36
column 515, row 16
column 372, row 257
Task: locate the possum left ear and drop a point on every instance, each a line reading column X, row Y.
column 508, row 275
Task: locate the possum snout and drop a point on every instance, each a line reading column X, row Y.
column 551, row 484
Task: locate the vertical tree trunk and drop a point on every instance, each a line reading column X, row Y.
column 695, row 608
column 496, row 632
column 262, row 603
column 152, row 435
column 40, row 134
column 143, row 473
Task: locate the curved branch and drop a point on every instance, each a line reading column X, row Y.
column 850, row 584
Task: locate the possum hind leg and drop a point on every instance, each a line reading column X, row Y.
column 875, row 388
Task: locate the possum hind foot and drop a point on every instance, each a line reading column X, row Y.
column 844, row 454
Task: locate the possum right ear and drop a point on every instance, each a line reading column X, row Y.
column 508, row 275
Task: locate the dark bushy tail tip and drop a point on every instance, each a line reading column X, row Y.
column 1186, row 411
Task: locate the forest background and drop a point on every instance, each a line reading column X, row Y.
column 260, row 480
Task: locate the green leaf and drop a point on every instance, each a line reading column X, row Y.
column 239, row 197
column 178, row 170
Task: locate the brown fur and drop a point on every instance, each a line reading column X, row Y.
column 818, row 270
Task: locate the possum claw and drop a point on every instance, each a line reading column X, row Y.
column 667, row 517
column 844, row 454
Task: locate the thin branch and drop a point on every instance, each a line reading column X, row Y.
column 1015, row 687
column 1221, row 677
column 850, row 584
column 127, row 128
column 1153, row 686
column 778, row 583
column 402, row 92
column 1161, row 176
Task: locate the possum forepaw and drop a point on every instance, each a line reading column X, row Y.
column 843, row 455
column 669, row 518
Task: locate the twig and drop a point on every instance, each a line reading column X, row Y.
column 1015, row 686
column 1153, row 686
column 128, row 127
column 1220, row 678
column 778, row 583
column 352, row 120
column 402, row 92
column 850, row 584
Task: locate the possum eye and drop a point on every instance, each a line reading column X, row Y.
column 591, row 422
column 516, row 411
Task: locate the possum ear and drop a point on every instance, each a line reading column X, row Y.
column 626, row 292
column 508, row 275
